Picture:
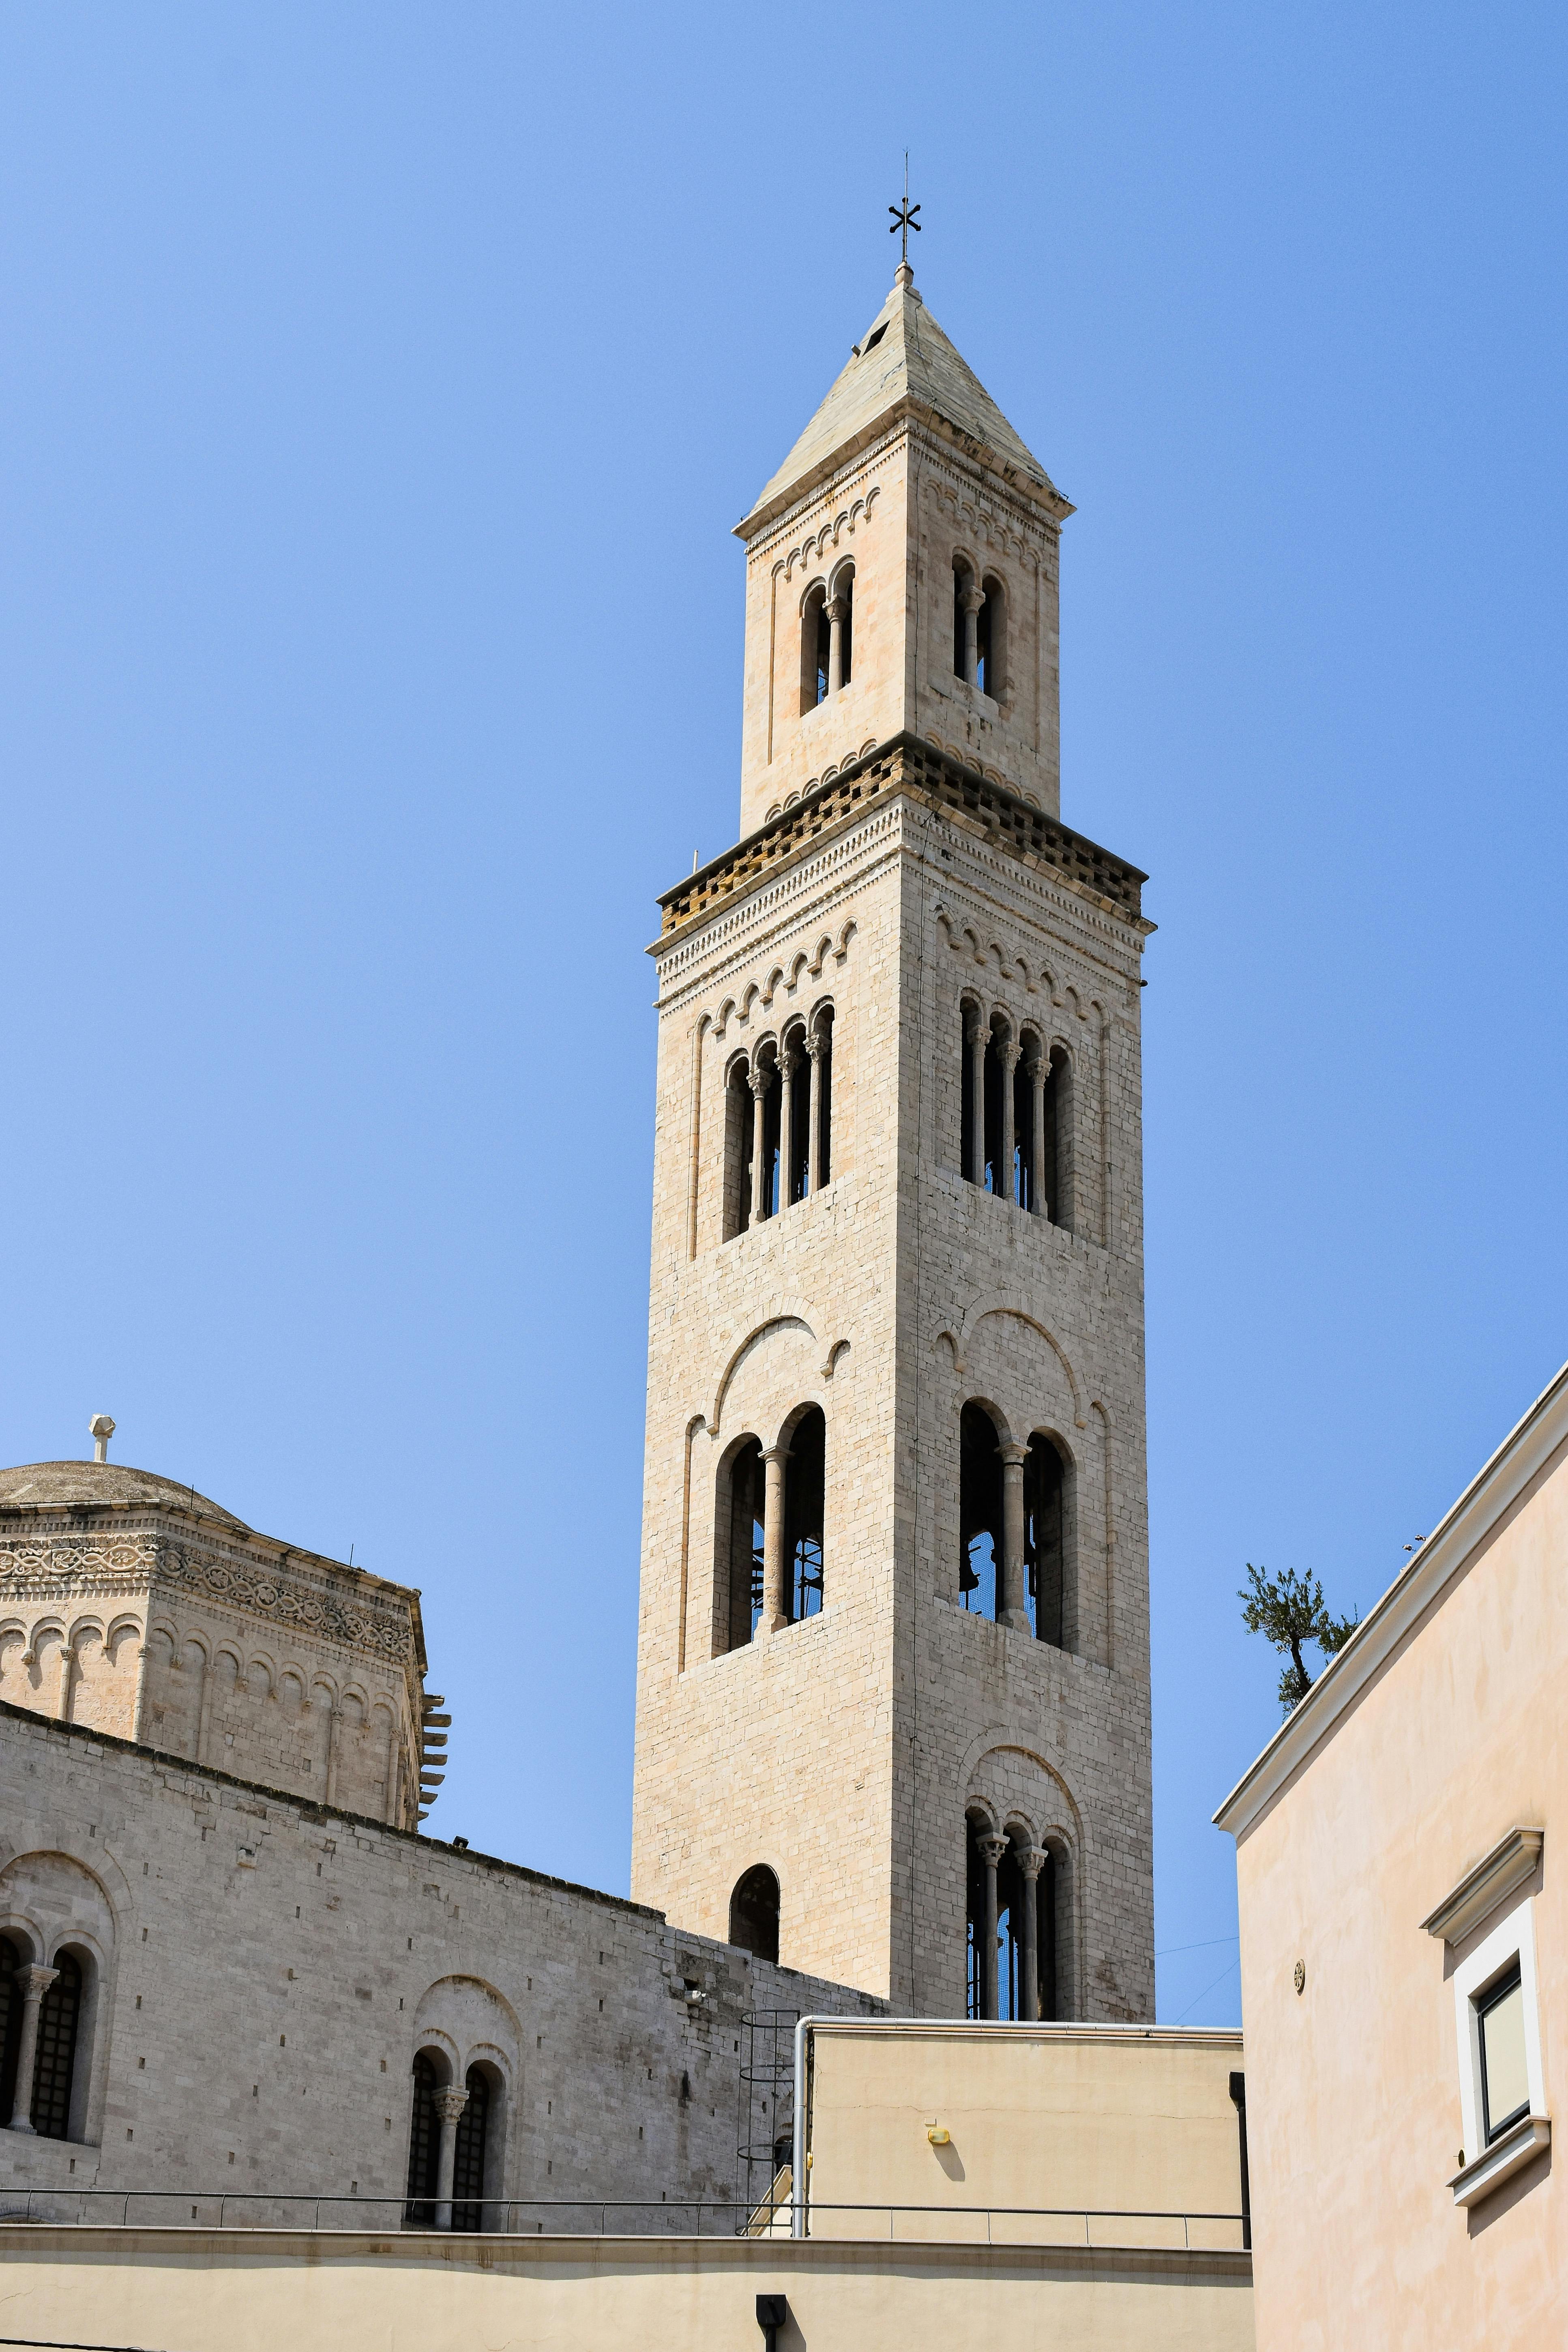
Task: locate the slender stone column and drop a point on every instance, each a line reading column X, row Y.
column 1039, row 1071
column 448, row 2103
column 789, row 1061
column 978, row 1035
column 1008, row 1055
column 1031, row 1862
column 68, row 1668
column 774, row 1616
column 759, row 1083
column 973, row 600
column 838, row 612
column 992, row 1847
column 35, row 1983
column 816, row 1046
column 334, row 1719
column 1011, row 1607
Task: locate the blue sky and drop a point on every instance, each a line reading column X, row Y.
column 379, row 387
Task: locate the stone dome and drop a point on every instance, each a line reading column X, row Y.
column 65, row 1483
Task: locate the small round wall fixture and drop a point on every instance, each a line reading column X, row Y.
column 1299, row 1976
column 939, row 2136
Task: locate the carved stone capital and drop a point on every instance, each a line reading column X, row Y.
column 992, row 1847
column 971, row 598
column 449, row 2103
column 758, row 1080
column 1032, row 1860
column 1013, row 1455
column 36, row 1982
column 1009, row 1054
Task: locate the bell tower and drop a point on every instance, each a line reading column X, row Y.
column 894, row 1674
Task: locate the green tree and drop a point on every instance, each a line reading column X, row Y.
column 1287, row 1611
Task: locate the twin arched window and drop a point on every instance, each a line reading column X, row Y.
column 758, row 1581
column 40, row 2014
column 1016, row 1122
column 979, row 629
column 439, row 2198
column 778, row 1124
column 826, row 638
column 1013, row 1546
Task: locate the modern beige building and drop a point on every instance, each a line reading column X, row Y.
column 893, row 1679
column 1404, row 1944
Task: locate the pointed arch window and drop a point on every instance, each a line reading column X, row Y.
column 471, row 2146
column 58, row 2015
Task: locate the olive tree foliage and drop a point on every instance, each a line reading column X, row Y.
column 1287, row 1611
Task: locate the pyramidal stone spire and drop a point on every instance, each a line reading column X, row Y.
column 902, row 579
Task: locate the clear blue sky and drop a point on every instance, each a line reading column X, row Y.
column 380, row 384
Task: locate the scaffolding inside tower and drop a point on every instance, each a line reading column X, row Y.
column 765, row 2140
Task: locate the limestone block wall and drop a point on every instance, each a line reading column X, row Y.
column 199, row 1638
column 1044, row 1326
column 262, row 1972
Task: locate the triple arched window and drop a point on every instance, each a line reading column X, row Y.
column 1018, row 1946
column 769, row 1516
column 778, row 1123
column 1014, row 1528
column 1016, row 1116
column 40, row 2020
column 826, row 638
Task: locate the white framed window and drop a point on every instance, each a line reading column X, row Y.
column 1502, row 2093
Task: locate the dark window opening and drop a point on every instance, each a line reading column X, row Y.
column 984, row 675
column 979, row 1511
column 962, row 580
column 1044, row 1558
column 799, row 1123
column 10, row 2025
column 824, row 1094
column 966, row 1115
column 1012, row 1894
column 424, row 2146
column 824, row 649
column 1023, row 1136
column 995, row 1080
column 754, row 1913
column 57, row 2016
column 846, row 629
column 875, row 337
column 747, row 1499
column 738, row 1142
column 468, row 2155
column 771, row 1107
column 804, row 1491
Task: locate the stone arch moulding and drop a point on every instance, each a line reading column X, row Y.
column 794, row 1314
column 959, row 1335
column 1060, row 1823
column 63, row 1895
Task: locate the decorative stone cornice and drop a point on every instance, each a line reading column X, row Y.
column 907, row 764
column 1511, row 1862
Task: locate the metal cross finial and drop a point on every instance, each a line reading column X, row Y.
column 904, row 216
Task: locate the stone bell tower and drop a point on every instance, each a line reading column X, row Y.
column 893, row 1677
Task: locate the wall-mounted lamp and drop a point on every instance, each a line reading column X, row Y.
column 939, row 2136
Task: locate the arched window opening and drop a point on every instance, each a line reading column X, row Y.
column 797, row 1175
column 841, row 621
column 991, row 652
column 737, row 1579
column 994, row 1177
column 1044, row 1555
column 979, row 1512
column 966, row 610
column 768, row 1204
column 1026, row 1153
column 10, row 2025
column 57, row 2016
column 815, row 648
column 469, row 2154
column 805, row 1494
column 738, row 1133
column 1058, row 1174
column 754, row 1913
column 1011, row 1909
column 1050, row 1895
column 968, row 1021
column 424, row 2145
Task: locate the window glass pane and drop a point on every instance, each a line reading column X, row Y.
column 1505, row 2083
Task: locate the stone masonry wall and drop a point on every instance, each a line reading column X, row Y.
column 260, row 1973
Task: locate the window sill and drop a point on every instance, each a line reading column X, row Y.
column 1505, row 2157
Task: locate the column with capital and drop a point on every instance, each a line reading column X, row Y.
column 992, row 1847
column 1039, row 1071
column 448, row 2103
column 35, row 1983
column 816, row 1046
column 1031, row 1862
column 1011, row 1606
column 760, row 1082
column 977, row 1035
column 775, row 1615
column 68, row 1668
column 334, row 1720
column 837, row 614
column 789, row 1061
column 971, row 600
column 1008, row 1055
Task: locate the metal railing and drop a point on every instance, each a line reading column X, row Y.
column 1104, row 2229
